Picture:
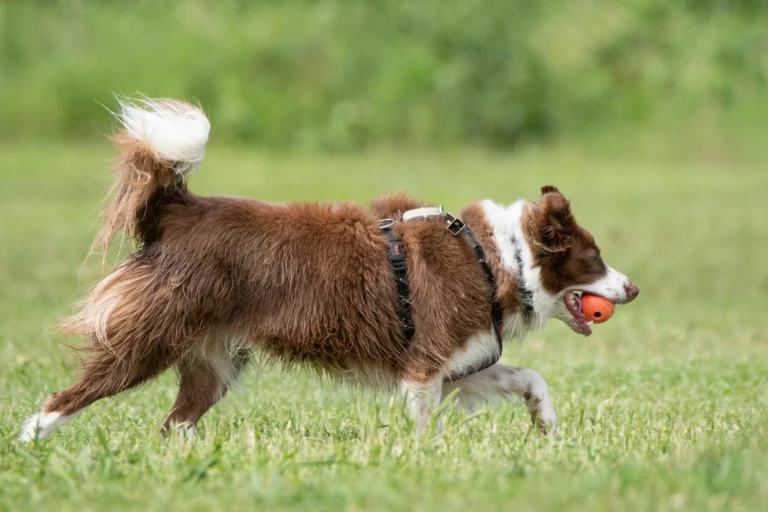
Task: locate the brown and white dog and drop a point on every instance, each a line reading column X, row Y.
column 216, row 280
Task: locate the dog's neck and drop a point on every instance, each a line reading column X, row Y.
column 517, row 260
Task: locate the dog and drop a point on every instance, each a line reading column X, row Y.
column 215, row 281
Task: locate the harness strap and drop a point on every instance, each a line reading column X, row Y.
column 471, row 370
column 397, row 259
column 457, row 227
column 497, row 310
column 399, row 264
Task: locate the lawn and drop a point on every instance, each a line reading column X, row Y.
column 663, row 408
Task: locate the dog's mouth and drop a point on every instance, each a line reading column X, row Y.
column 572, row 302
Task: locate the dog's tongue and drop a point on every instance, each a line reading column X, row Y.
column 573, row 302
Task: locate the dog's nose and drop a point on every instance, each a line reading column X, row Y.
column 632, row 291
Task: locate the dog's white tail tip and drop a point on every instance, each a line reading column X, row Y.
column 175, row 131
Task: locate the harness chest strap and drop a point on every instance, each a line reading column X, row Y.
column 397, row 259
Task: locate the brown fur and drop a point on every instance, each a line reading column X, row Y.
column 303, row 282
column 214, row 278
column 392, row 206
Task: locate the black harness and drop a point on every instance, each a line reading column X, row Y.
column 397, row 259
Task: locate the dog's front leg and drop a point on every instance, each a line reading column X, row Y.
column 502, row 380
column 421, row 400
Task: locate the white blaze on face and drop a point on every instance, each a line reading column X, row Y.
column 614, row 286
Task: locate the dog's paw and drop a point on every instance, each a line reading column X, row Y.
column 545, row 419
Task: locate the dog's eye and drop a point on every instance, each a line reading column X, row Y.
column 595, row 262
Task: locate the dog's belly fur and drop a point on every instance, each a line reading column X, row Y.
column 481, row 349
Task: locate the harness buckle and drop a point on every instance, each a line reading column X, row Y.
column 456, row 227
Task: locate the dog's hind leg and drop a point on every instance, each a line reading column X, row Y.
column 502, row 381
column 204, row 378
column 104, row 374
column 130, row 320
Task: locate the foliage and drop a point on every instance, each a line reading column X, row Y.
column 336, row 74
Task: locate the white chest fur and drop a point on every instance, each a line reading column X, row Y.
column 479, row 350
column 507, row 227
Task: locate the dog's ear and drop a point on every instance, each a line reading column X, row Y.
column 555, row 204
column 549, row 189
column 554, row 220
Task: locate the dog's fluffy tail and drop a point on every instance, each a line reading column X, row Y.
column 161, row 143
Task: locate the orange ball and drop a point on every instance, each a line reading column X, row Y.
column 596, row 308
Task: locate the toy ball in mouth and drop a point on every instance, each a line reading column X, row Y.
column 596, row 308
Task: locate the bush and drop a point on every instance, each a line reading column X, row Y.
column 346, row 74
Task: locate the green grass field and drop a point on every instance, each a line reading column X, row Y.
column 664, row 408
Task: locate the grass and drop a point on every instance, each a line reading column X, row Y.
column 663, row 408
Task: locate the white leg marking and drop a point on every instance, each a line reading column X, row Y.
column 501, row 381
column 42, row 425
column 186, row 430
column 421, row 400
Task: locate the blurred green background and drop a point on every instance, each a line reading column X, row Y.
column 650, row 115
column 339, row 75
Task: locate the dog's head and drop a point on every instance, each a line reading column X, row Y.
column 569, row 261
